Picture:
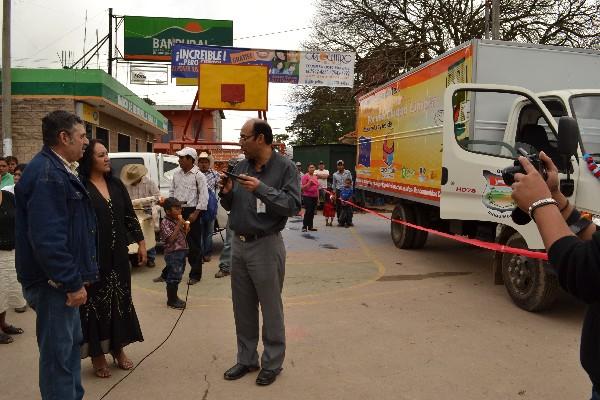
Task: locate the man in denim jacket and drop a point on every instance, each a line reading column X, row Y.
column 56, row 251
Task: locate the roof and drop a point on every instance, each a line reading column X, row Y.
column 91, row 85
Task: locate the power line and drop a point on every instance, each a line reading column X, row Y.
column 273, row 33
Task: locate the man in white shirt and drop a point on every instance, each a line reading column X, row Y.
column 190, row 188
column 322, row 175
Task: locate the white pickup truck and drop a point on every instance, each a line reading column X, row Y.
column 161, row 168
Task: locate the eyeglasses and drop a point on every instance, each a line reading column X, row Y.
column 243, row 138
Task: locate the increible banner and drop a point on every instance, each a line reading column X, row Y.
column 314, row 68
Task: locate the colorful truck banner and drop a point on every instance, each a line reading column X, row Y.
column 301, row 67
column 152, row 38
column 399, row 129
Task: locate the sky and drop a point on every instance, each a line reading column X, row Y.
column 42, row 30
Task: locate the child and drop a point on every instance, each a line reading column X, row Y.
column 346, row 193
column 173, row 231
column 329, row 209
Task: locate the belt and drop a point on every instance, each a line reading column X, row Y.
column 250, row 237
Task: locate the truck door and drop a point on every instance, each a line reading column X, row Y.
column 480, row 131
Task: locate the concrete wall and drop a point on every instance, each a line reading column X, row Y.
column 116, row 126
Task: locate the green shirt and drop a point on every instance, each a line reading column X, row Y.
column 6, row 180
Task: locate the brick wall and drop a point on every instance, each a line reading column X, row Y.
column 27, row 114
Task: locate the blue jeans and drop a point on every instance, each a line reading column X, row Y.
column 59, row 337
column 595, row 394
column 208, row 228
column 152, row 254
column 175, row 266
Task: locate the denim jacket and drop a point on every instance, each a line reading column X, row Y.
column 56, row 232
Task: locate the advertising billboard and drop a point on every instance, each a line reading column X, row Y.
column 152, row 38
column 315, row 68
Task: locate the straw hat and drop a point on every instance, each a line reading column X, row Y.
column 132, row 173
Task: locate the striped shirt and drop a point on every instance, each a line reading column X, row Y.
column 190, row 188
column 212, row 179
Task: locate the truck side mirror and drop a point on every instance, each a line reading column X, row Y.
column 568, row 136
column 568, row 139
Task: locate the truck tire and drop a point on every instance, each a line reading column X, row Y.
column 420, row 236
column 403, row 236
column 528, row 282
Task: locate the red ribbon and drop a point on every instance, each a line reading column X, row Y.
column 473, row 242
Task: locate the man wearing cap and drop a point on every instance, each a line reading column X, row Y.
column 139, row 186
column 260, row 201
column 322, row 176
column 205, row 163
column 189, row 186
column 339, row 178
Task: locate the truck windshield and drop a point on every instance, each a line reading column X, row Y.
column 586, row 109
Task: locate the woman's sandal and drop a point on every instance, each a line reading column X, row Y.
column 103, row 371
column 5, row 339
column 12, row 330
column 126, row 364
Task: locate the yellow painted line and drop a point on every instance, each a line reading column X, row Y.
column 299, row 300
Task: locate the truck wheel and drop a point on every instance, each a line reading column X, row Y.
column 420, row 236
column 403, row 236
column 529, row 283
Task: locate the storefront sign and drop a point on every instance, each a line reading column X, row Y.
column 151, row 38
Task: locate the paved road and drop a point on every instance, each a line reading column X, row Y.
column 364, row 321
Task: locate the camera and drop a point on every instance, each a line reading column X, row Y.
column 519, row 216
column 508, row 173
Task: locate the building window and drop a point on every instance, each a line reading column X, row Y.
column 169, row 136
column 102, row 134
column 124, row 142
column 149, row 147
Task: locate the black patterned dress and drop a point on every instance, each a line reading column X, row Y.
column 108, row 319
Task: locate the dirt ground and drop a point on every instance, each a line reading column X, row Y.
column 364, row 320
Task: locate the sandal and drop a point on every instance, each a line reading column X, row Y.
column 126, row 364
column 5, row 339
column 12, row 330
column 102, row 371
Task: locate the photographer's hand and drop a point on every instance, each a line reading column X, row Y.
column 529, row 187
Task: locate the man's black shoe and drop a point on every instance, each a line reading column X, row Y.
column 267, row 376
column 237, row 371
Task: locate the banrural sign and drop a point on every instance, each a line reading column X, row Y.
column 151, row 38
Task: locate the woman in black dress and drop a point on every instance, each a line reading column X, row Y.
column 108, row 319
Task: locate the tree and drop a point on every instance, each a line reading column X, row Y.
column 390, row 37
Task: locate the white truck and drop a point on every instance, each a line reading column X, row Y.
column 436, row 139
column 161, row 168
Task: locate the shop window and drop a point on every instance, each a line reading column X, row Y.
column 102, row 134
column 149, row 148
column 124, row 142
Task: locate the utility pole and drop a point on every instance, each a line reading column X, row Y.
column 6, row 82
column 495, row 19
column 110, row 44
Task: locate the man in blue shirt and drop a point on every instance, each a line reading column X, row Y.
column 55, row 253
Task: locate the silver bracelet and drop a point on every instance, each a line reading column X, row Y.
column 541, row 203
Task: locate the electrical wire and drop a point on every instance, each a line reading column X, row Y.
column 154, row 350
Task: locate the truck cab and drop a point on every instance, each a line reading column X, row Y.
column 495, row 122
